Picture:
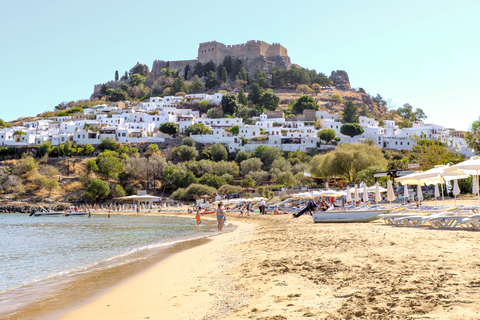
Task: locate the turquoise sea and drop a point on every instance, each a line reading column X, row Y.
column 49, row 264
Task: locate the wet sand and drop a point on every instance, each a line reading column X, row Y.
column 276, row 267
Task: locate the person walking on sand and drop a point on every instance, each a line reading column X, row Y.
column 262, row 207
column 220, row 216
column 197, row 217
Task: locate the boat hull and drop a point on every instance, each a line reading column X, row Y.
column 70, row 214
column 49, row 214
column 352, row 216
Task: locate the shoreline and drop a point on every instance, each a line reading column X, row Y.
column 155, row 292
column 276, row 267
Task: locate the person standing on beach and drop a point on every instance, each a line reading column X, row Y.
column 220, row 216
column 197, row 217
column 262, row 207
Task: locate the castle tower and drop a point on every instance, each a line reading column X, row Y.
column 210, row 51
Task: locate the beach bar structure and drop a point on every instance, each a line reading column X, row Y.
column 142, row 199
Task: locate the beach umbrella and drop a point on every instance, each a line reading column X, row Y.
column 437, row 193
column 456, row 190
column 365, row 193
column 356, row 197
column 326, row 185
column 419, row 193
column 331, row 193
column 378, row 196
column 349, row 196
column 373, row 188
column 390, row 193
column 405, row 192
column 471, row 167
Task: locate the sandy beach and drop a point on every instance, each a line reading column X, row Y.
column 276, row 267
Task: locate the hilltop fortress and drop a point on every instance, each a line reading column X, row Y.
column 254, row 55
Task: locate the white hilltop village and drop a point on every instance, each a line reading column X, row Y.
column 138, row 124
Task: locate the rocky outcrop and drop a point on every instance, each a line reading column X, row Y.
column 340, row 79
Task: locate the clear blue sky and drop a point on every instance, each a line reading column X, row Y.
column 425, row 53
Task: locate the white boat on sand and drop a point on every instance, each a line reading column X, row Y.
column 348, row 216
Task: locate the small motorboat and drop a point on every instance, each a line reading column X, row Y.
column 47, row 214
column 78, row 213
column 348, row 216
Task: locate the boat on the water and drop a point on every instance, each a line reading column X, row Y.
column 47, row 213
column 348, row 216
column 78, row 213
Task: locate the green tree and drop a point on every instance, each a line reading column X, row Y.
column 219, row 152
column 89, row 149
column 210, row 81
column 50, row 185
column 346, row 161
column 270, row 100
column 336, row 98
column 472, row 137
column 97, row 190
column 109, row 164
column 186, row 72
column 255, row 95
column 197, row 84
column 184, row 153
column 350, row 112
column 267, row 155
column 407, row 113
column 141, row 69
column 287, row 179
column 234, row 129
column 178, row 86
column 316, row 87
column 242, row 156
column 169, row 128
column 91, row 166
column 116, row 75
column 260, row 78
column 108, row 144
column 212, row 180
column 205, row 105
column 188, row 142
column 45, row 148
column 118, row 191
column 197, row 128
column 223, row 75
column 326, row 135
column 304, row 88
column 241, row 97
column 250, row 165
column 136, row 79
column 229, row 103
column 193, row 190
column 174, row 178
column 304, row 102
column 431, row 152
column 247, row 183
column 351, row 129
column 214, row 113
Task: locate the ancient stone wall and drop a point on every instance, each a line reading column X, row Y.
column 217, row 51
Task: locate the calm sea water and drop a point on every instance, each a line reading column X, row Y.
column 48, row 263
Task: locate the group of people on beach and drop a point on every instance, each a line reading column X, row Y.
column 221, row 216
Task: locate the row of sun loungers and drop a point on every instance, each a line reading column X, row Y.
column 437, row 218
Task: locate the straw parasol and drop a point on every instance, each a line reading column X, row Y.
column 378, row 196
column 456, row 190
column 357, row 197
column 390, row 193
column 349, row 196
column 365, row 193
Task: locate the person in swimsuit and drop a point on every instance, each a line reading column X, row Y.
column 197, row 217
column 220, row 216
